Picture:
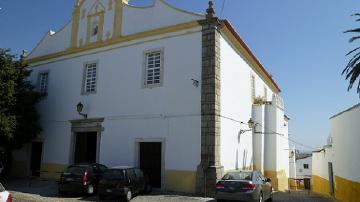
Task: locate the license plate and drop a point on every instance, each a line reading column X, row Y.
column 69, row 179
column 108, row 190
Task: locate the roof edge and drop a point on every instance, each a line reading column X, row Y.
column 247, row 49
column 349, row 109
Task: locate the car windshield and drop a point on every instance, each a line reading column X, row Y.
column 238, row 176
column 114, row 174
column 1, row 188
column 77, row 170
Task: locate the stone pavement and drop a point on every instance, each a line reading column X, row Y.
column 41, row 191
column 300, row 196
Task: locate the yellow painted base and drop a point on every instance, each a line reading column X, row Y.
column 19, row 169
column 51, row 170
column 180, row 181
column 346, row 190
column 320, row 185
column 279, row 180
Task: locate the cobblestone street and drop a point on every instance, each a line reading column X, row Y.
column 24, row 190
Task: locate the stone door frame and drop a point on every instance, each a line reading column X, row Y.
column 83, row 126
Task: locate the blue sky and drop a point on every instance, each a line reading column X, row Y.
column 299, row 42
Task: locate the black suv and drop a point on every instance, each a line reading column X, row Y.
column 123, row 182
column 81, row 178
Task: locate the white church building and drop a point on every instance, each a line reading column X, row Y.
column 176, row 93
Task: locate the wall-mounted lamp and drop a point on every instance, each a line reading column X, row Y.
column 195, row 82
column 79, row 108
column 250, row 124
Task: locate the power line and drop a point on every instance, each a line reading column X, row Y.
column 222, row 8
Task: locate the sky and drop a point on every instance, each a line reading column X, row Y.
column 300, row 42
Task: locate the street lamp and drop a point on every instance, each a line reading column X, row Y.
column 250, row 124
column 79, row 108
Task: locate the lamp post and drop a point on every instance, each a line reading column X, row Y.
column 79, row 108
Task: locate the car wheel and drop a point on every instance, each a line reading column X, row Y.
column 128, row 195
column 261, row 197
column 90, row 189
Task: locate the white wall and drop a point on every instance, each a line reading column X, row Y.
column 345, row 135
column 154, row 16
column 302, row 172
column 130, row 111
column 292, row 162
column 320, row 162
column 236, row 106
column 134, row 20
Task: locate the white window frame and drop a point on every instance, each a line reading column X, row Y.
column 39, row 85
column 145, row 68
column 84, row 81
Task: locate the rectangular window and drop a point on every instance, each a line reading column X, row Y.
column 43, row 82
column 90, row 78
column 252, row 87
column 306, row 166
column 153, row 68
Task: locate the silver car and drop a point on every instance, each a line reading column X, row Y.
column 244, row 186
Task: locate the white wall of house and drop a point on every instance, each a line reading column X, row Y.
column 301, row 170
column 236, row 106
column 320, row 162
column 130, row 111
column 345, row 137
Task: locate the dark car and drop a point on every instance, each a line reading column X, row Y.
column 123, row 182
column 244, row 186
column 81, row 178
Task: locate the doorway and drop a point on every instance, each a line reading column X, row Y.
column 35, row 159
column 85, row 147
column 151, row 161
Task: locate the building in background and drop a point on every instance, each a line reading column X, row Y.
column 336, row 166
column 125, row 85
column 304, row 170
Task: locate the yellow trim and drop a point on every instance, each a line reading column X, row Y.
column 347, row 190
column 100, row 28
column 180, row 181
column 320, row 185
column 250, row 60
column 118, row 18
column 75, row 27
column 101, row 44
column 51, row 170
column 110, row 5
column 279, row 180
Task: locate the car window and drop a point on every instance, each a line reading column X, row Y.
column 1, row 188
column 131, row 174
column 139, row 173
column 77, row 170
column 117, row 174
column 238, row 176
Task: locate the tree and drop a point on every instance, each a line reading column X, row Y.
column 19, row 119
column 352, row 69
